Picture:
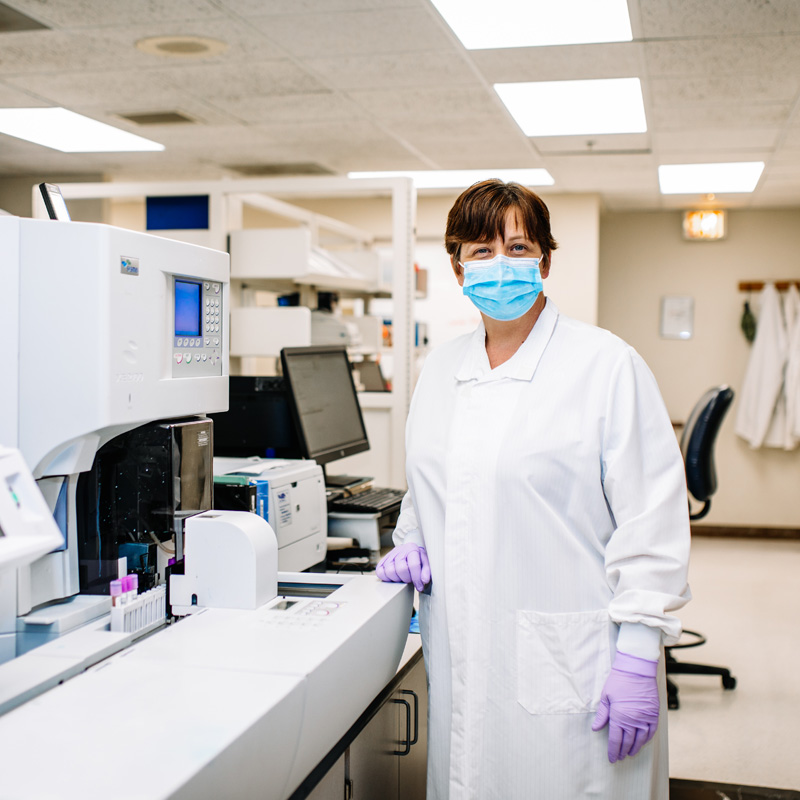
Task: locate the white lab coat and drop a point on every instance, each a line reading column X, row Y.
column 550, row 495
column 760, row 397
column 792, row 379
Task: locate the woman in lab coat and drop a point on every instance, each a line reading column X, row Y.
column 547, row 511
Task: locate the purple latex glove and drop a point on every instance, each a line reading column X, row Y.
column 407, row 563
column 629, row 705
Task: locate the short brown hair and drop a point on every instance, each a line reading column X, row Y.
column 479, row 215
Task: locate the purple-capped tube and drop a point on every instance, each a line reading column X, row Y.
column 115, row 590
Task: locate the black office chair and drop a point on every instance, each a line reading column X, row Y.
column 697, row 448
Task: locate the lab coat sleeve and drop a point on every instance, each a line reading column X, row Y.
column 647, row 555
column 407, row 529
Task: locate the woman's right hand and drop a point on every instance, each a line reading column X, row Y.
column 407, row 563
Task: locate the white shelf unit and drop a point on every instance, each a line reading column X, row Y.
column 227, row 199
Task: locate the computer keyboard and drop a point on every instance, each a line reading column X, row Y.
column 370, row 501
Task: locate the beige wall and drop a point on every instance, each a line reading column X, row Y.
column 643, row 257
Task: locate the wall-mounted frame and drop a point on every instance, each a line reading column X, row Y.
column 677, row 317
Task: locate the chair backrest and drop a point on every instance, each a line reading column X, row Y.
column 697, row 441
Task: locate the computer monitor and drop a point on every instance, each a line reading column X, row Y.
column 258, row 421
column 324, row 403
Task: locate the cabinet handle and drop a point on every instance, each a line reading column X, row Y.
column 416, row 713
column 407, row 742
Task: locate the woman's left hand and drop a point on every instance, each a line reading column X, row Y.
column 629, row 705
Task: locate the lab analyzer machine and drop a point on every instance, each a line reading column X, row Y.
column 109, row 330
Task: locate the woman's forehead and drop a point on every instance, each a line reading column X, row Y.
column 506, row 226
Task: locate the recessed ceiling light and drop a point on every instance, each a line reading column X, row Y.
column 734, row 177
column 536, row 23
column 69, row 132
column 181, row 46
column 571, row 108
column 458, row 179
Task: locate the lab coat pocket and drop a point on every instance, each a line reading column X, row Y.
column 562, row 661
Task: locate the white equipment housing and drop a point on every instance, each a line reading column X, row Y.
column 292, row 500
column 91, row 320
column 231, row 561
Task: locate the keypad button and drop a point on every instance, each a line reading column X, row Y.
column 205, row 357
column 188, row 358
column 216, row 302
column 180, row 343
column 216, row 288
column 178, row 358
column 206, row 286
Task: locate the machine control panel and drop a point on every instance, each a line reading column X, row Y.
column 198, row 331
column 299, row 613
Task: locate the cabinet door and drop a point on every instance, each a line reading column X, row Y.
column 412, row 768
column 331, row 787
column 373, row 764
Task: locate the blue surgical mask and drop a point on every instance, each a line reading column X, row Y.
column 502, row 287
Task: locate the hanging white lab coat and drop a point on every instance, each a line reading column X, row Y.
column 791, row 384
column 763, row 380
column 550, row 495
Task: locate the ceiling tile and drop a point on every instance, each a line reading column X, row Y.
column 276, row 7
column 114, row 48
column 712, row 116
column 13, row 97
column 393, row 70
column 288, row 108
column 450, row 105
column 234, row 81
column 699, row 90
column 672, row 18
column 751, row 55
column 355, row 32
column 115, row 88
column 94, row 13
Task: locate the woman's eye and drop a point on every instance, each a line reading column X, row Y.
column 519, row 248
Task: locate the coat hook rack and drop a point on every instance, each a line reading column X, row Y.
column 757, row 286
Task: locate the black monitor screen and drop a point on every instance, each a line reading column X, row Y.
column 258, row 422
column 324, row 402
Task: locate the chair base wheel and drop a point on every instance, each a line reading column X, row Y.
column 728, row 682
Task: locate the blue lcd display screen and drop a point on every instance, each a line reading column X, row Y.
column 187, row 308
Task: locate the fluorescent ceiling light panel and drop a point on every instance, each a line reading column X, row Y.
column 69, row 132
column 457, row 179
column 576, row 108
column 709, row 178
column 535, row 23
